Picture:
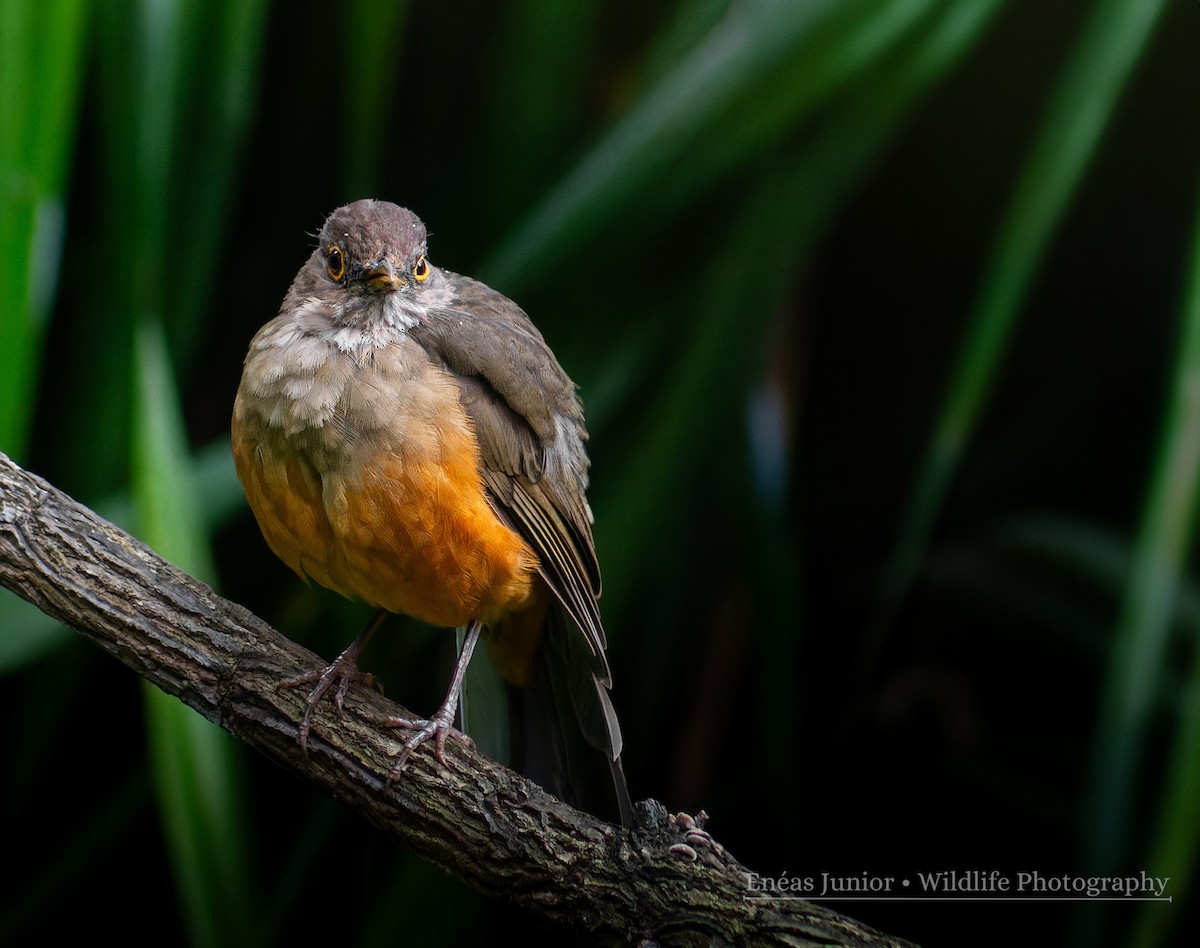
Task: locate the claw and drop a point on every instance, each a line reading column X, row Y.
column 441, row 724
column 437, row 728
column 344, row 670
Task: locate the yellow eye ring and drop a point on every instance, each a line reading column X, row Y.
column 421, row 269
column 336, row 264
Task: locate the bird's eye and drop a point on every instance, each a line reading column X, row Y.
column 421, row 269
column 336, row 264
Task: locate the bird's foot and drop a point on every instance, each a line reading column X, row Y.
column 437, row 729
column 441, row 724
column 342, row 672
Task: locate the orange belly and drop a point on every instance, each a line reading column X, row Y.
column 406, row 530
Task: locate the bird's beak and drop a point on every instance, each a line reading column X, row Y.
column 382, row 276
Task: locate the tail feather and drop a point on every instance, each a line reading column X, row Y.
column 560, row 730
column 586, row 718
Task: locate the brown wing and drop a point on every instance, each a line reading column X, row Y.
column 529, row 424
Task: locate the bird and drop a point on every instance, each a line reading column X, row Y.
column 406, row 438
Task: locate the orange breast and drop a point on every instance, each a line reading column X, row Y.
column 406, row 528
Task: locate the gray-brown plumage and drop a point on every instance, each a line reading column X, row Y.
column 406, row 437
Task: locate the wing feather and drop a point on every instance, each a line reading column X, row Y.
column 528, row 421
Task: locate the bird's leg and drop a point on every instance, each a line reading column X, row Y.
column 343, row 670
column 442, row 722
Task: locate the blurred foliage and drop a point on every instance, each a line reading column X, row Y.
column 887, row 318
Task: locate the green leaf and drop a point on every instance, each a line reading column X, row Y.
column 1140, row 661
column 167, row 507
column 372, row 35
column 781, row 219
column 1069, row 136
column 195, row 764
column 41, row 58
column 177, row 89
column 537, row 96
column 766, row 64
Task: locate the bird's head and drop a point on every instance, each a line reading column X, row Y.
column 370, row 265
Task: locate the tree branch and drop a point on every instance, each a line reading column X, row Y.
column 667, row 880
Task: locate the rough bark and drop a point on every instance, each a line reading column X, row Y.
column 667, row 881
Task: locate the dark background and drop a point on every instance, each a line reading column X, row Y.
column 766, row 305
